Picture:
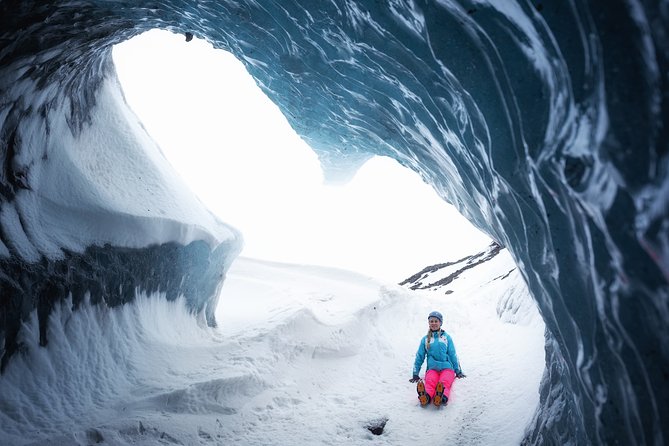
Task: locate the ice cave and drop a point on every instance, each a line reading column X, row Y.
column 543, row 122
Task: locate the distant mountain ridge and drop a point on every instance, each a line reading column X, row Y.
column 440, row 275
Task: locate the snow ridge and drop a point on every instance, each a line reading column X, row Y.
column 438, row 276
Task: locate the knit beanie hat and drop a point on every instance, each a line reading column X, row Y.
column 437, row 315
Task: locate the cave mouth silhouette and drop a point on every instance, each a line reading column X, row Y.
column 238, row 153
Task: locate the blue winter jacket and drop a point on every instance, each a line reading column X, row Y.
column 441, row 354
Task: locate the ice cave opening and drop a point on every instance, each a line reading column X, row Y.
column 238, row 153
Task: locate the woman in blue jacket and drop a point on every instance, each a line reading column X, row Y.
column 442, row 364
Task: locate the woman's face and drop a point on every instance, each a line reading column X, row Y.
column 434, row 323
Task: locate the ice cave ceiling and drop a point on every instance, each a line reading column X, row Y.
column 544, row 122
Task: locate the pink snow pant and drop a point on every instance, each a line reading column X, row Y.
column 432, row 377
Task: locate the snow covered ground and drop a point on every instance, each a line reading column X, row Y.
column 302, row 355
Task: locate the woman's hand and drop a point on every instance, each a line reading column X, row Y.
column 460, row 375
column 415, row 379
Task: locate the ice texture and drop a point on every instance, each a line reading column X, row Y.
column 544, row 123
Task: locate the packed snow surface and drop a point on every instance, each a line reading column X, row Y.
column 302, row 355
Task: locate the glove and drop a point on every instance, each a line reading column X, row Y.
column 460, row 375
column 415, row 379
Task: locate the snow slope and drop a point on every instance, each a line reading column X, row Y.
column 302, row 355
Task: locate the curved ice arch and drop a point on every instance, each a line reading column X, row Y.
column 545, row 124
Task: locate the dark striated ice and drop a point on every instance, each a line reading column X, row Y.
column 545, row 123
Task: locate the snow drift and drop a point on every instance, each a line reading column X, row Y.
column 302, row 355
column 544, row 123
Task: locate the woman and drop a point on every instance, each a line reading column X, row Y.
column 442, row 364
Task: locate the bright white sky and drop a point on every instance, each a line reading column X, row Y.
column 238, row 153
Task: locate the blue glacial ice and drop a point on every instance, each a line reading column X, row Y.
column 544, row 123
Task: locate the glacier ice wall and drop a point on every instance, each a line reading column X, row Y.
column 545, row 123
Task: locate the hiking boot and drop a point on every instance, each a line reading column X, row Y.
column 423, row 397
column 439, row 397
